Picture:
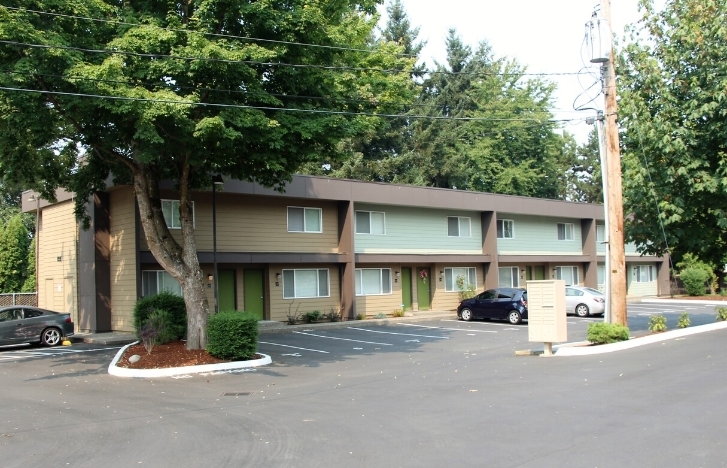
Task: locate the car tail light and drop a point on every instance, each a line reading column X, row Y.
column 68, row 319
column 598, row 299
column 524, row 302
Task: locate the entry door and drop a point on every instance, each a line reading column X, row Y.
column 226, row 290
column 406, row 297
column 253, row 284
column 423, row 288
column 539, row 272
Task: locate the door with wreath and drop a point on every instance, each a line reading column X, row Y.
column 424, row 289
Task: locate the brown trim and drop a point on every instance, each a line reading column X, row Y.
column 531, row 259
column 588, row 234
column 421, row 258
column 489, row 247
column 146, row 256
column 347, row 272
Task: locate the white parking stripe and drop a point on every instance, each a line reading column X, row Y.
column 394, row 333
column 442, row 328
column 294, row 347
column 344, row 339
column 480, row 323
column 22, row 354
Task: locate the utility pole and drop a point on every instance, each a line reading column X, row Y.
column 617, row 257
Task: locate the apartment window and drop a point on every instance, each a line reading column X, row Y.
column 600, row 233
column 451, row 275
column 170, row 209
column 508, row 277
column 156, row 281
column 645, row 273
column 565, row 231
column 458, row 227
column 505, row 229
column 569, row 274
column 302, row 284
column 601, row 275
column 370, row 222
column 373, row 281
column 304, row 219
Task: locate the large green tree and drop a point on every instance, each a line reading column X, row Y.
column 673, row 88
column 15, row 243
column 584, row 180
column 182, row 90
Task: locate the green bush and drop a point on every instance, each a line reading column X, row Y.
column 360, row 316
column 313, row 316
column 694, row 281
column 721, row 314
column 602, row 333
column 232, row 335
column 380, row 315
column 657, row 323
column 176, row 323
column 684, row 320
column 398, row 313
column 155, row 330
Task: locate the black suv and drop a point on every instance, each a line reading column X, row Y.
column 509, row 304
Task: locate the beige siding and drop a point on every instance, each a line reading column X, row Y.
column 257, row 224
column 123, row 259
column 371, row 306
column 280, row 308
column 447, row 300
column 57, row 259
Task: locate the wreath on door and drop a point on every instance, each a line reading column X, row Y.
column 423, row 275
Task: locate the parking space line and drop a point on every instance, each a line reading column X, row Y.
column 294, row 347
column 402, row 334
column 442, row 328
column 344, row 339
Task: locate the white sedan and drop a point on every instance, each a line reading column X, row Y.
column 584, row 301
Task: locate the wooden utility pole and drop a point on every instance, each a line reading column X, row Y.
column 617, row 256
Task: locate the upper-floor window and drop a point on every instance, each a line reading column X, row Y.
column 505, row 229
column 370, row 222
column 304, row 219
column 301, row 284
column 600, row 233
column 458, row 227
column 373, row 281
column 460, row 279
column 508, row 277
column 170, row 209
column 644, row 273
column 565, row 231
column 569, row 274
column 156, row 281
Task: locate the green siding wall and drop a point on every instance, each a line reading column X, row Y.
column 419, row 230
column 539, row 235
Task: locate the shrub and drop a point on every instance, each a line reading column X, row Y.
column 657, row 323
column 293, row 316
column 380, row 315
column 694, row 281
column 312, row 316
column 683, row 321
column 360, row 316
column 232, row 335
column 333, row 316
column 466, row 290
column 155, row 330
column 398, row 313
column 690, row 261
column 721, row 314
column 176, row 323
column 602, row 333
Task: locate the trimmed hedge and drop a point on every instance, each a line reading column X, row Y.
column 176, row 319
column 232, row 335
column 695, row 281
column 603, row 333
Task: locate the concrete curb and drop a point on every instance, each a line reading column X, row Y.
column 172, row 371
column 684, row 302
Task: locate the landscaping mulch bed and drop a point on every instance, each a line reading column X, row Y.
column 173, row 354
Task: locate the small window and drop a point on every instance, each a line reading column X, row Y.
column 505, row 229
column 156, row 281
column 600, row 233
column 508, row 277
column 569, row 274
column 645, row 273
column 170, row 209
column 303, row 284
column 565, row 231
column 304, row 219
column 458, row 227
column 373, row 281
column 460, row 279
column 370, row 222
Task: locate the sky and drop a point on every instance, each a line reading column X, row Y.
column 545, row 36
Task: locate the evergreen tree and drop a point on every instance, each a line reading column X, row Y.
column 15, row 241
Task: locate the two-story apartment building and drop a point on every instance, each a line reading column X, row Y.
column 325, row 244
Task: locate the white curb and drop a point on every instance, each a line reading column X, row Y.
column 170, row 371
column 685, row 301
column 633, row 343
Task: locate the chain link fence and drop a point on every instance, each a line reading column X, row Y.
column 23, row 299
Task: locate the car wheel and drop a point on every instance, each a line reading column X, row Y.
column 50, row 337
column 514, row 317
column 466, row 314
column 582, row 310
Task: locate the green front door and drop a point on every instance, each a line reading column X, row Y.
column 539, row 272
column 423, row 289
column 226, row 290
column 253, row 284
column 406, row 299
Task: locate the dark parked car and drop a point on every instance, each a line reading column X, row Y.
column 19, row 324
column 509, row 304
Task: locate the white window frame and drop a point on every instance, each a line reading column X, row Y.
column 459, row 226
column 369, row 213
column 501, row 228
column 159, row 279
column 568, row 228
column 650, row 273
column 600, row 233
column 359, row 274
column 450, row 278
column 574, row 272
column 305, row 219
column 318, row 271
column 514, row 277
column 175, row 209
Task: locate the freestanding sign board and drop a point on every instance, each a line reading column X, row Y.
column 546, row 313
